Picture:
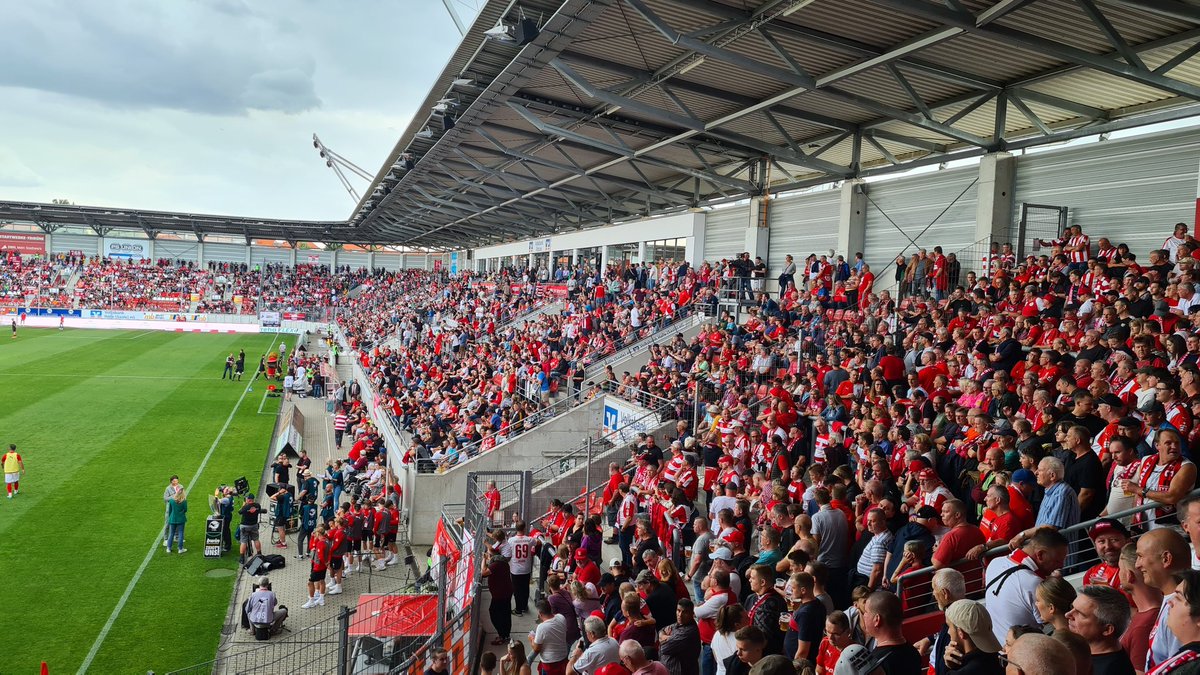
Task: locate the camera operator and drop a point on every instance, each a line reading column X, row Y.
column 263, row 608
column 225, row 511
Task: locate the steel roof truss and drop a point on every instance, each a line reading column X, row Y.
column 1017, row 103
column 1045, row 46
column 1110, row 32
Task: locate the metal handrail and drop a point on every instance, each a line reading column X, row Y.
column 620, row 353
column 602, row 438
column 1071, row 533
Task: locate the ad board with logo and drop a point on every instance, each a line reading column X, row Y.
column 128, row 249
column 23, row 243
column 627, row 419
column 269, row 319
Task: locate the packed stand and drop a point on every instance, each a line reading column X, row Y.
column 113, row 283
column 460, row 381
column 22, row 277
column 988, row 476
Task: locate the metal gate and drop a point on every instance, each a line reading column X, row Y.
column 1038, row 221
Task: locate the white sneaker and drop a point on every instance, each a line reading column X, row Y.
column 164, row 543
column 183, row 550
column 347, row 571
column 379, row 565
column 335, row 590
column 321, row 600
column 393, row 560
column 312, row 602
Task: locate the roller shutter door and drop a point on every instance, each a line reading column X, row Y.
column 914, row 203
column 391, row 262
column 353, row 259
column 262, row 255
column 65, row 243
column 1130, row 190
column 174, row 249
column 802, row 225
column 222, row 252
column 725, row 232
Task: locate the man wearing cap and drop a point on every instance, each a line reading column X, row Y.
column 1110, row 407
column 1011, row 581
column 1109, row 536
column 1100, row 614
column 1021, row 493
column 969, row 627
column 586, row 570
column 659, row 598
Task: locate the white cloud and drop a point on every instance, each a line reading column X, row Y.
column 209, row 106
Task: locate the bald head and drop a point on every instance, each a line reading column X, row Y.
column 1171, row 542
column 1038, row 654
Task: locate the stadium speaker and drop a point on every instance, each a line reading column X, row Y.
column 525, row 32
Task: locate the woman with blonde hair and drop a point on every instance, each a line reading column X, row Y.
column 667, row 574
column 514, row 662
column 176, row 520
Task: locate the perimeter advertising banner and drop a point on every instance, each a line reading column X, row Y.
column 626, row 420
column 269, row 319
column 23, row 243
column 128, row 249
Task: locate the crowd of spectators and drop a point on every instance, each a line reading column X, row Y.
column 115, row 283
column 892, row 483
column 452, row 373
column 22, row 277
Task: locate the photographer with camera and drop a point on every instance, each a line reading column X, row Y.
column 263, row 611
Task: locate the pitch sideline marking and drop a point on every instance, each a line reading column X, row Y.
column 112, row 618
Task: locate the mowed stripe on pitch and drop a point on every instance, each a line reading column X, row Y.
column 94, row 472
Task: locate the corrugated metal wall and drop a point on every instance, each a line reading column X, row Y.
column 353, row 259
column 416, row 261
column 260, row 255
column 801, row 225
column 389, row 261
column 175, row 249
column 913, row 203
column 223, row 252
column 1130, row 190
column 65, row 243
column 725, row 232
column 314, row 256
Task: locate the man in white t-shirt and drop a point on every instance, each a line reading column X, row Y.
column 521, row 566
column 549, row 638
column 1010, row 582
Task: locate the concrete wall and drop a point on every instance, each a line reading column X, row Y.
column 430, row 491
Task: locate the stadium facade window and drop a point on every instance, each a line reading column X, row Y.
column 666, row 250
column 627, row 252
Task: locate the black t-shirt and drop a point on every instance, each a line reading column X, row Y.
column 281, row 472
column 661, row 602
column 808, row 625
column 898, row 659
column 1087, row 472
column 1113, row 663
column 250, row 511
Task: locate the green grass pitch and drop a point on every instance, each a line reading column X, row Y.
column 102, row 419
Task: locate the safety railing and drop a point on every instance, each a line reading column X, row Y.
column 916, row 587
column 631, row 345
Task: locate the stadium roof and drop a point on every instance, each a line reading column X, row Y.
column 625, row 108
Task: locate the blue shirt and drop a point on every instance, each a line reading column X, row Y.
column 1060, row 507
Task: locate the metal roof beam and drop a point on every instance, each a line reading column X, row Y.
column 919, row 143
column 1060, row 103
column 704, row 90
column 848, row 45
column 1172, row 9
column 1044, row 46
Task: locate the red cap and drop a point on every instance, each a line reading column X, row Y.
column 581, row 554
column 735, row 538
column 726, row 459
column 916, row 467
column 928, row 474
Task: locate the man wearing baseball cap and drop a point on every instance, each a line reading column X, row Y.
column 1109, row 536
column 970, row 629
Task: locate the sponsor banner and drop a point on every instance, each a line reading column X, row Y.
column 554, row 290
column 129, row 249
column 314, row 258
column 133, row 315
column 269, row 319
column 39, row 311
column 453, row 263
column 23, row 243
column 626, row 420
column 294, row 316
column 437, row 265
column 539, row 245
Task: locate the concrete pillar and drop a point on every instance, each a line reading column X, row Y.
column 49, row 244
column 695, row 243
column 293, row 256
column 150, row 249
column 333, row 259
column 994, row 212
column 852, row 223
column 371, row 260
column 641, row 251
column 200, row 254
column 574, row 257
column 603, row 257
column 249, row 259
column 758, row 234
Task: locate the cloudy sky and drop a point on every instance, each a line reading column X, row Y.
column 209, row 106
